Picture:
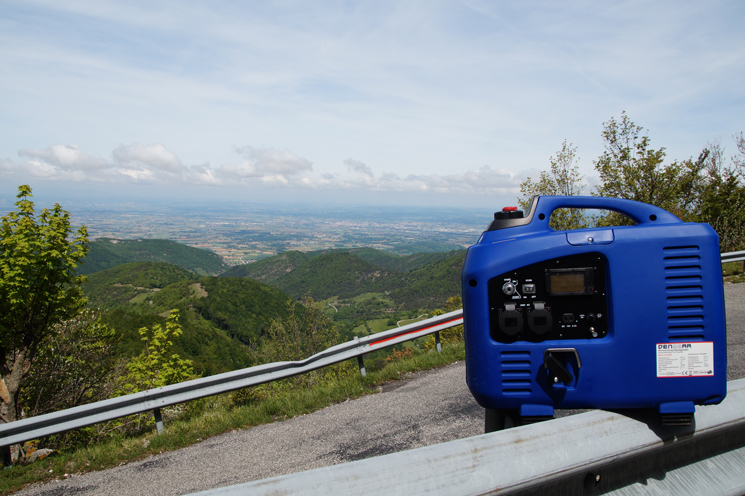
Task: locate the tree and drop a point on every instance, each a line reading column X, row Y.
column 157, row 365
column 306, row 331
column 739, row 159
column 721, row 201
column 39, row 288
column 563, row 179
column 629, row 168
column 75, row 365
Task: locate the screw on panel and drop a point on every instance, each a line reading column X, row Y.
column 592, row 480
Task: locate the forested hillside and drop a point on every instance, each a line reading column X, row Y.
column 126, row 283
column 337, row 274
column 272, row 268
column 268, row 269
column 106, row 253
column 220, row 317
column 431, row 285
column 224, row 316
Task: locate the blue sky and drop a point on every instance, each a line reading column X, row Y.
column 409, row 102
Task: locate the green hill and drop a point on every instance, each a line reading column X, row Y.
column 387, row 260
column 242, row 308
column 125, row 283
column 337, row 274
column 219, row 316
column 272, row 268
column 106, row 253
column 209, row 348
column 409, row 262
column 421, row 280
column 268, row 269
column 222, row 316
column 431, row 285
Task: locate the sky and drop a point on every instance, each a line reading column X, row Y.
column 437, row 102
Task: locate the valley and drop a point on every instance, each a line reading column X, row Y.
column 225, row 315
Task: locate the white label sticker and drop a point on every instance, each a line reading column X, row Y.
column 685, row 359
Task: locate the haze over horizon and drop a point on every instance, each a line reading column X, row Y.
column 443, row 103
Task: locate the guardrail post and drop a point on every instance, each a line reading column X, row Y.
column 437, row 342
column 361, row 364
column 7, row 459
column 158, row 421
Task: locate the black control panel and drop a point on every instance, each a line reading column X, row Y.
column 559, row 298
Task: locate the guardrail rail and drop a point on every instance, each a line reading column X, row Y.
column 154, row 399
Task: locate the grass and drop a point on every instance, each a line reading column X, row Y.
column 216, row 415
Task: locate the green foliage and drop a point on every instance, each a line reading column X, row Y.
column 210, row 350
column 243, row 308
column 451, row 335
column 106, row 253
column 76, row 364
column 304, row 332
column 700, row 190
column 157, row 366
column 39, row 287
column 563, row 179
column 250, row 395
column 629, row 168
column 721, row 201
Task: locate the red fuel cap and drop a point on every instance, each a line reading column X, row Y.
column 509, row 209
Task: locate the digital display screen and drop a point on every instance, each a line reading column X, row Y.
column 567, row 282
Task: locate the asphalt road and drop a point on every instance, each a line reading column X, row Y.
column 426, row 408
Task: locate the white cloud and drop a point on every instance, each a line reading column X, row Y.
column 144, row 157
column 267, row 164
column 357, row 166
column 260, row 168
column 67, row 157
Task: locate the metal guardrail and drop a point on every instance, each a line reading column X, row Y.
column 597, row 452
column 733, row 256
column 155, row 399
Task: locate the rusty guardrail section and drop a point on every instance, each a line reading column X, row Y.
column 155, row 399
column 597, row 452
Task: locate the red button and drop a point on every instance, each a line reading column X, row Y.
column 509, row 209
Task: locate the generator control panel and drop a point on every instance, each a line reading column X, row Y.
column 559, row 298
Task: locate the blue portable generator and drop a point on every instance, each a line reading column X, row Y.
column 612, row 317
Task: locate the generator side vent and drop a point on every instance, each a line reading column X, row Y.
column 516, row 376
column 684, row 291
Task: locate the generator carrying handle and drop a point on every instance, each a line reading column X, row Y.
column 641, row 213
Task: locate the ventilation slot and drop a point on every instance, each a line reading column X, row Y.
column 686, row 337
column 516, row 374
column 684, row 291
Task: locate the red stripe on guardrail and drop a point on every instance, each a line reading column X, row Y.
column 417, row 330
